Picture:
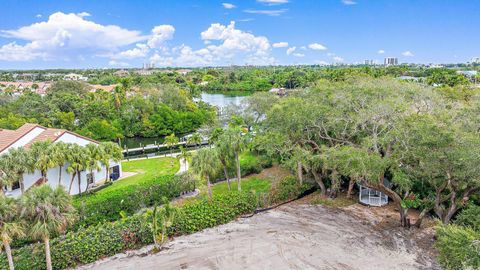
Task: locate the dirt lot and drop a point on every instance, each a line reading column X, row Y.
column 294, row 236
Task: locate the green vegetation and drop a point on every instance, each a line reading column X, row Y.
column 154, row 180
column 103, row 115
column 459, row 248
column 251, row 184
column 146, row 171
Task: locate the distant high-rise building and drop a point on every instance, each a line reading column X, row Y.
column 391, row 61
column 369, row 62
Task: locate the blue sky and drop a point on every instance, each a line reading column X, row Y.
column 120, row 33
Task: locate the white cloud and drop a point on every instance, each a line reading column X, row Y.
column 338, row 59
column 63, row 35
column 280, row 44
column 228, row 5
column 160, row 34
column 269, row 12
column 299, row 55
column 291, row 50
column 330, row 54
column 83, row 14
column 317, row 46
column 381, row 51
column 349, row 2
column 224, row 44
column 408, row 54
column 273, row 2
column 141, row 50
column 38, row 15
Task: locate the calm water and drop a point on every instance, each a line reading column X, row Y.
column 221, row 100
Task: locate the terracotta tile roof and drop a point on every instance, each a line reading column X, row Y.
column 8, row 137
column 50, row 134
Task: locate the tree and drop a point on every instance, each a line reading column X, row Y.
column 48, row 212
column 59, row 154
column 159, row 220
column 10, row 226
column 205, row 164
column 225, row 155
column 171, row 140
column 237, row 141
column 184, row 155
column 17, row 161
column 41, row 152
column 195, row 139
column 76, row 164
column 94, row 154
column 111, row 152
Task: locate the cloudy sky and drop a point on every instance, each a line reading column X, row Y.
column 120, row 33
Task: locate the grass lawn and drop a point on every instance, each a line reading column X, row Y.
column 251, row 183
column 146, row 169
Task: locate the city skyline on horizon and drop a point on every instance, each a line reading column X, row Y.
column 125, row 34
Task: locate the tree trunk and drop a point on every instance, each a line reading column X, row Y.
column 22, row 184
column 395, row 197
column 424, row 212
column 8, row 251
column 47, row 254
column 319, row 181
column 239, row 173
column 79, row 179
column 71, row 183
column 107, row 172
column 209, row 187
column 351, row 183
column 225, row 171
column 300, row 172
column 60, row 175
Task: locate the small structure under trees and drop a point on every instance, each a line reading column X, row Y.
column 371, row 197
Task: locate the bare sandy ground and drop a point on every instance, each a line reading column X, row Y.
column 294, row 236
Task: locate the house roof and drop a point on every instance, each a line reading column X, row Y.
column 9, row 137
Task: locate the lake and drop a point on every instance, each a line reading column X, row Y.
column 222, row 100
column 214, row 99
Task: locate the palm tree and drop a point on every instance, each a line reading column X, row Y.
column 41, row 153
column 183, row 156
column 59, row 154
column 10, row 226
column 171, row 140
column 94, row 155
column 195, row 139
column 48, row 212
column 225, row 155
column 4, row 173
column 76, row 164
column 205, row 164
column 17, row 162
column 111, row 151
column 237, row 142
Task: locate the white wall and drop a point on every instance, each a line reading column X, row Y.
column 25, row 139
column 53, row 174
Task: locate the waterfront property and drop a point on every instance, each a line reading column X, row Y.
column 27, row 134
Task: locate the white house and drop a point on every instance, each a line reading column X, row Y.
column 30, row 133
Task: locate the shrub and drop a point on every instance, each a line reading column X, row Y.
column 470, row 217
column 251, row 163
column 288, row 189
column 106, row 206
column 459, row 248
column 109, row 238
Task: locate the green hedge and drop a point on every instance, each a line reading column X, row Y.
column 470, row 217
column 106, row 206
column 95, row 242
column 459, row 248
